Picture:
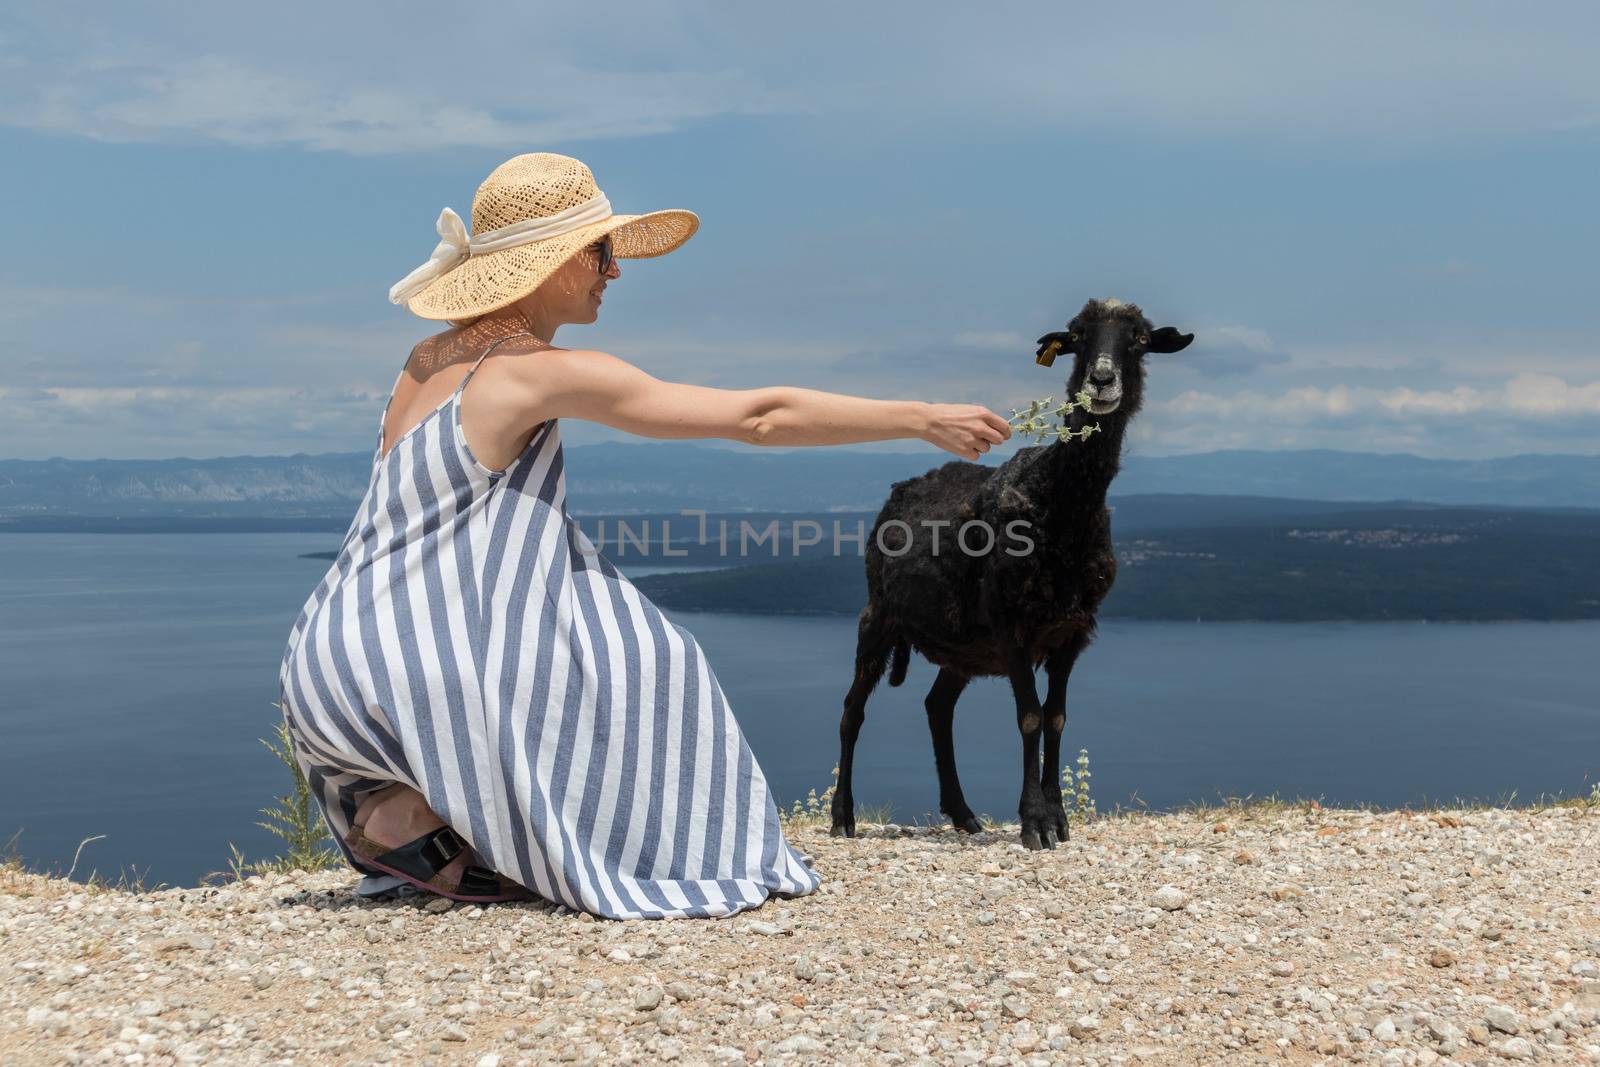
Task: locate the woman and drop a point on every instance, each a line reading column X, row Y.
column 482, row 704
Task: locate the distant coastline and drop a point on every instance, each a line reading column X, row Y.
column 617, row 478
column 172, row 524
column 1186, row 559
column 1181, row 557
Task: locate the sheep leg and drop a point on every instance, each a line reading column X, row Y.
column 1059, row 668
column 1038, row 821
column 941, row 705
column 872, row 652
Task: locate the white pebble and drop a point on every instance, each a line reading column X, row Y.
column 1169, row 898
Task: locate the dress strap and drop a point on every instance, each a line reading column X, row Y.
column 383, row 420
column 486, row 351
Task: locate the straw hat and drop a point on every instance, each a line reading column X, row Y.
column 532, row 214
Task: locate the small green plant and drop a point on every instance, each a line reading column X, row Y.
column 814, row 809
column 295, row 819
column 11, row 859
column 817, row 810
column 1083, row 801
column 125, row 883
column 12, row 867
column 1033, row 421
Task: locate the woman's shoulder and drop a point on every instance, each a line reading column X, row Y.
column 538, row 361
column 456, row 344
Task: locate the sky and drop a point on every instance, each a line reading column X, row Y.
column 1378, row 220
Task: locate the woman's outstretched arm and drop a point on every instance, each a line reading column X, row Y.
column 597, row 386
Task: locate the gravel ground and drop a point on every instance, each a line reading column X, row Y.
column 1285, row 935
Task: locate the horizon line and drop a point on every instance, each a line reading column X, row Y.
column 744, row 449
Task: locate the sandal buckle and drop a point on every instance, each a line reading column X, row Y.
column 444, row 846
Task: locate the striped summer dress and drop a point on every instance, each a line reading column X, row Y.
column 471, row 642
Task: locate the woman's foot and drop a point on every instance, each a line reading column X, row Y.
column 398, row 815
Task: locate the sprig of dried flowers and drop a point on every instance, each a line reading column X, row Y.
column 1032, row 420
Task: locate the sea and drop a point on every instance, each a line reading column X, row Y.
column 138, row 675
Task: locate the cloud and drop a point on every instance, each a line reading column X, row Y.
column 1546, row 395
column 1527, row 413
column 361, row 110
column 1217, row 351
column 1227, row 350
column 993, row 341
column 1406, row 77
column 98, row 337
column 368, row 80
column 1529, row 396
column 99, row 401
column 20, row 302
column 172, row 421
column 1247, row 338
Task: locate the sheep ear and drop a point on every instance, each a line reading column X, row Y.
column 1168, row 339
column 1050, row 345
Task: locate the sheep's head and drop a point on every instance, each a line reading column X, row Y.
column 1109, row 340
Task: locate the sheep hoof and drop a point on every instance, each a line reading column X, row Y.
column 961, row 818
column 843, row 829
column 1039, row 832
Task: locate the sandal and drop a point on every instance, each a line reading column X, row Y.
column 419, row 863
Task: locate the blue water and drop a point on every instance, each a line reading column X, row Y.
column 138, row 671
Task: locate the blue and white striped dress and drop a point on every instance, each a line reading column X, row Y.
column 471, row 642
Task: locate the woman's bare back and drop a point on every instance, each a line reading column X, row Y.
column 436, row 368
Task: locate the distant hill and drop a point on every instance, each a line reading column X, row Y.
column 1530, row 480
column 665, row 476
column 1360, row 564
column 258, row 486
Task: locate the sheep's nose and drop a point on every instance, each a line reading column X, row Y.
column 1102, row 376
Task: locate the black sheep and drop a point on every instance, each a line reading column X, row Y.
column 1030, row 598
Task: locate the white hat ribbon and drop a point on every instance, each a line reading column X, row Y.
column 456, row 245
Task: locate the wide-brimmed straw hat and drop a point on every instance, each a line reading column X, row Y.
column 532, row 214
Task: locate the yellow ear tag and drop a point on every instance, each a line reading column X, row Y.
column 1047, row 355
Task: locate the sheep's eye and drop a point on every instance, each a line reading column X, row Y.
column 1072, row 338
column 1144, row 338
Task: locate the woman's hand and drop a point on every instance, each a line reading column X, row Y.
column 968, row 430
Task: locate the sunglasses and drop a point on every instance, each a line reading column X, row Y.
column 603, row 247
